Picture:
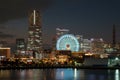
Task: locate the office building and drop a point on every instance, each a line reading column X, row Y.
column 5, row 52
column 20, row 46
column 86, row 45
column 80, row 40
column 97, row 45
column 35, row 32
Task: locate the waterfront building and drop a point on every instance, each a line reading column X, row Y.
column 35, row 33
column 20, row 46
column 5, row 52
column 97, row 45
column 80, row 40
column 92, row 61
column 114, row 59
column 86, row 45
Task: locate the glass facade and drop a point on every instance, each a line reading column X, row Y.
column 34, row 32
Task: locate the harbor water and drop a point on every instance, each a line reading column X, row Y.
column 60, row 74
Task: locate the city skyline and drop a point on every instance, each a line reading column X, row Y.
column 92, row 19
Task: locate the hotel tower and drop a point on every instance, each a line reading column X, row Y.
column 34, row 32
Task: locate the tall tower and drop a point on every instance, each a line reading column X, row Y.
column 35, row 32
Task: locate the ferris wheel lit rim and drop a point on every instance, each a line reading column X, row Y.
column 70, row 36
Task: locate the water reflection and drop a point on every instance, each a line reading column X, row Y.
column 75, row 73
column 59, row 74
column 114, row 74
column 117, row 75
column 69, row 74
column 96, row 74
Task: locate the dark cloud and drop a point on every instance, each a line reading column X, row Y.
column 2, row 27
column 12, row 9
column 4, row 36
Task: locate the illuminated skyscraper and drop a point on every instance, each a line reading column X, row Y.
column 86, row 45
column 80, row 39
column 20, row 44
column 97, row 45
column 35, row 32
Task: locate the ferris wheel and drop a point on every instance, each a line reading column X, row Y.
column 68, row 42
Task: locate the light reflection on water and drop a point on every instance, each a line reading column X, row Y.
column 59, row 74
column 117, row 74
column 67, row 74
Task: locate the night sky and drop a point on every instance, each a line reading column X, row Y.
column 90, row 18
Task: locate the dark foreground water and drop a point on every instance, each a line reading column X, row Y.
column 59, row 74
